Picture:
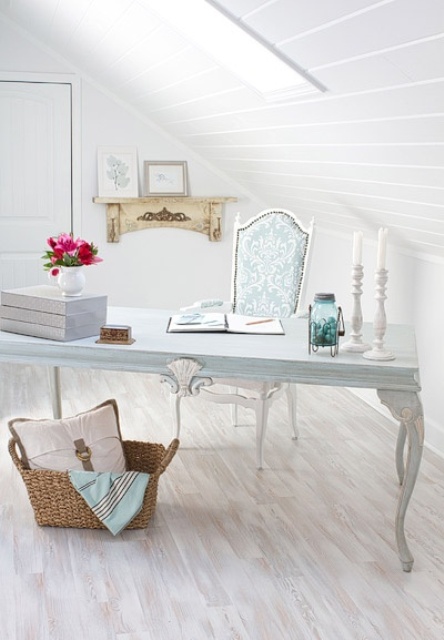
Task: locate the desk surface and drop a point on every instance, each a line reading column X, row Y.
column 255, row 357
column 258, row 357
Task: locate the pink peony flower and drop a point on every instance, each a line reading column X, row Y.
column 67, row 252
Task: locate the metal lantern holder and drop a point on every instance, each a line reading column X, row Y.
column 340, row 331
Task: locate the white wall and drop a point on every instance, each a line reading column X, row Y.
column 166, row 268
column 156, row 267
column 428, row 315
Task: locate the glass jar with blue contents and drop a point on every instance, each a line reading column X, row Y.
column 325, row 324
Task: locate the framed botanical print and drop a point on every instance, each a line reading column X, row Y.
column 117, row 170
column 165, row 178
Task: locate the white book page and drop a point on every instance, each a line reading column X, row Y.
column 253, row 324
column 197, row 322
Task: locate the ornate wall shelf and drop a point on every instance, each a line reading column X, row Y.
column 203, row 215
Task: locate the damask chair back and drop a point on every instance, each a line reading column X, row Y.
column 270, row 262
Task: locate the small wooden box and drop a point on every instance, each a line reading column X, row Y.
column 115, row 334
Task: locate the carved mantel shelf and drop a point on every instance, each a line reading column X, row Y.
column 203, row 215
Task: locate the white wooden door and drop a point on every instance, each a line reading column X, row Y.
column 35, row 176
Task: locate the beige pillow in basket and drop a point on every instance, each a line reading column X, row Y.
column 90, row 441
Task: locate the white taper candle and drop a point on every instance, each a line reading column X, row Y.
column 357, row 247
column 382, row 246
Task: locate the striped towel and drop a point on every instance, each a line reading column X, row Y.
column 115, row 498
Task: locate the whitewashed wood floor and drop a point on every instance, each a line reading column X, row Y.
column 304, row 549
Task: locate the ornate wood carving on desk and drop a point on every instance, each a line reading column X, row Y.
column 203, row 215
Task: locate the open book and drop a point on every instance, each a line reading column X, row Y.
column 228, row 322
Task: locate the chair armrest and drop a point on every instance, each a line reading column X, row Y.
column 209, row 305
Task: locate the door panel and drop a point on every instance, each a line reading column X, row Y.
column 35, row 176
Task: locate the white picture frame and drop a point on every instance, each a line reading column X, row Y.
column 117, row 172
column 164, row 178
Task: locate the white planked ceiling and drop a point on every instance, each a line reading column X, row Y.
column 367, row 152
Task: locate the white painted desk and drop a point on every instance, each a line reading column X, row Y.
column 187, row 361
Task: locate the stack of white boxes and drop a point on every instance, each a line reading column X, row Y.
column 43, row 311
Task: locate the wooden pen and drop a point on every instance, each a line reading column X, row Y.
column 260, row 321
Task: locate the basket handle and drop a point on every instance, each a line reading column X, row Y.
column 169, row 455
column 12, row 447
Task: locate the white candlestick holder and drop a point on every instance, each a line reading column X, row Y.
column 355, row 343
column 378, row 352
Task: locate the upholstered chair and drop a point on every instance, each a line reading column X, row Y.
column 271, row 254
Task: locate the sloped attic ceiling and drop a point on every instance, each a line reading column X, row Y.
column 367, row 152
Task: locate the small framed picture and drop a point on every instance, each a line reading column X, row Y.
column 118, row 175
column 164, row 178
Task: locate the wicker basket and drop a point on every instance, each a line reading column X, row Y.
column 57, row 504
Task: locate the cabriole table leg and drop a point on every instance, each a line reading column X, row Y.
column 406, row 407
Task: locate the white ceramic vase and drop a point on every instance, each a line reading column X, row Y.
column 71, row 281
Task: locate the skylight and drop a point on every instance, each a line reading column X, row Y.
column 235, row 47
